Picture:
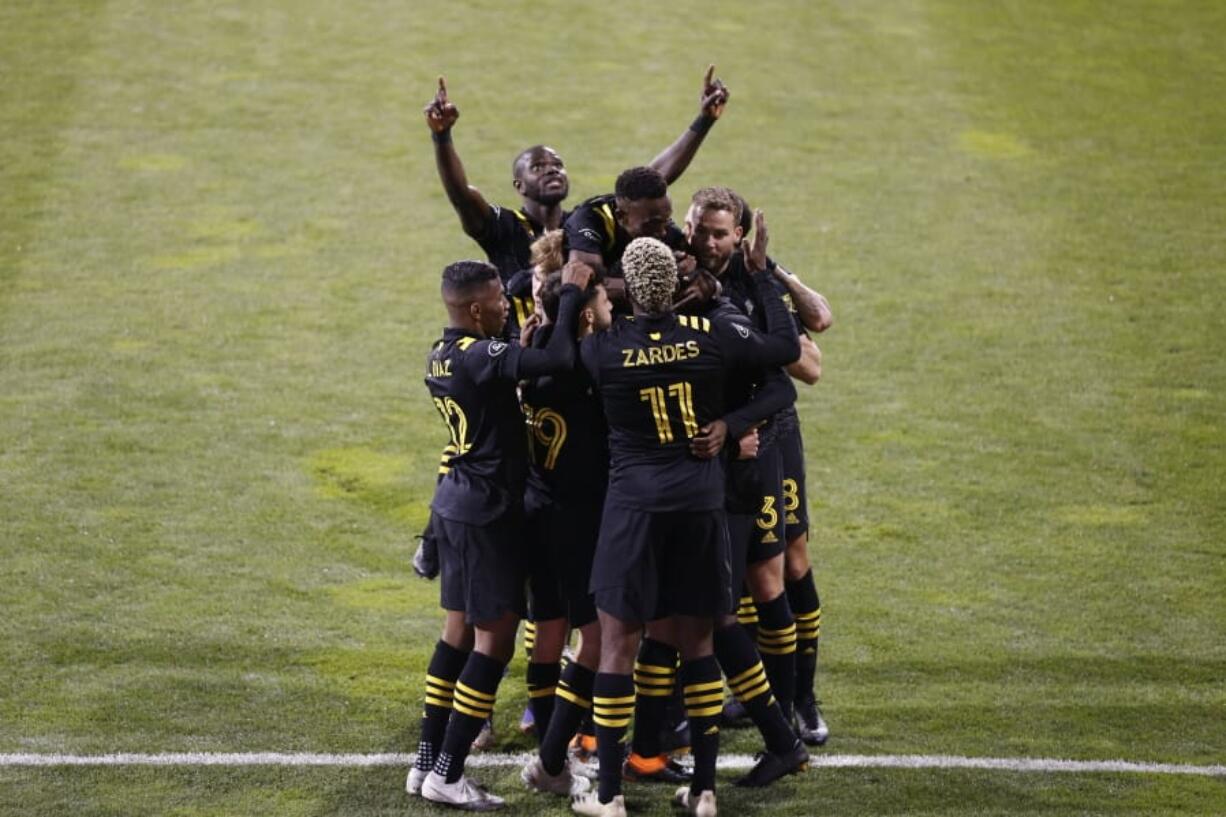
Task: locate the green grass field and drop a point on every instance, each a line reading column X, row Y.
column 220, row 236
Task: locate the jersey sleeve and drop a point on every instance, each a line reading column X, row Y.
column 589, row 356
column 558, row 355
column 774, row 395
column 586, row 231
column 494, row 231
column 491, row 359
column 744, row 346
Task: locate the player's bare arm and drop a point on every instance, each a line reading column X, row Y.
column 808, row 369
column 675, row 158
column 441, row 115
column 811, row 306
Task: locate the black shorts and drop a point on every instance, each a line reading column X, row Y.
column 482, row 568
column 768, row 536
column 651, row 565
column 740, row 527
column 795, row 506
column 561, row 547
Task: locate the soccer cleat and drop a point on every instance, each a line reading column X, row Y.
column 425, row 560
column 676, row 740
column 658, row 769
column 810, row 724
column 485, row 738
column 583, row 747
column 564, row 783
column 589, row 804
column 770, row 767
column 527, row 722
column 462, row 794
column 412, row 783
column 734, row 714
column 702, row 805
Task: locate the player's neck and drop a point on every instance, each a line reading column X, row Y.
column 548, row 216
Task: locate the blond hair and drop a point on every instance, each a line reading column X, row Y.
column 547, row 254
column 651, row 274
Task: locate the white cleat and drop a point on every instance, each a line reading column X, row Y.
column 589, row 804
column 462, row 794
column 412, row 783
column 563, row 783
column 701, row 806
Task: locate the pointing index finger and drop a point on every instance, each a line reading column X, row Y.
column 706, row 81
column 442, row 88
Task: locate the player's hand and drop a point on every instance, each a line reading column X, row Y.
column 701, row 287
column 440, row 113
column 747, row 445
column 529, row 329
column 714, row 95
column 709, row 440
column 577, row 273
column 755, row 250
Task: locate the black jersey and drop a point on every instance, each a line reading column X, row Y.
column 568, row 436
column 507, row 239
column 661, row 378
column 592, row 227
column 519, row 293
column 749, row 293
column 472, row 381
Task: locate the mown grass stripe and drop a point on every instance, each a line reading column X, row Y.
column 735, row 761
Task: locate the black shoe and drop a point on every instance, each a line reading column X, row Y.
column 676, row 739
column 425, row 560
column 660, row 769
column 810, row 724
column 770, row 767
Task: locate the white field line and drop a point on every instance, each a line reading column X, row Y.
column 725, row 762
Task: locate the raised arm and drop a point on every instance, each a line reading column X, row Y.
column 675, row 158
column 470, row 205
column 811, row 306
column 559, row 353
column 779, row 346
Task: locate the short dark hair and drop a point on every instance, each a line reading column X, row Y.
column 463, row 277
column 640, row 183
column 522, row 159
column 550, row 297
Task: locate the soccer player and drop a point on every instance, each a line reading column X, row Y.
column 478, row 513
column 600, row 229
column 538, row 175
column 814, row 314
column 565, row 499
column 760, row 677
column 663, row 547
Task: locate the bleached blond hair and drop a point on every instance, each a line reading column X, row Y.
column 651, row 274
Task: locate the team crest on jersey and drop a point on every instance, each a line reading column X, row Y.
column 497, row 347
column 743, row 331
column 590, row 234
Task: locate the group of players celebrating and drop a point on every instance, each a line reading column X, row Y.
column 656, row 504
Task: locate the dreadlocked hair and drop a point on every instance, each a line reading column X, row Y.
column 651, row 274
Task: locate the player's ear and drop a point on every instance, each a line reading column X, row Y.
column 739, row 233
column 587, row 316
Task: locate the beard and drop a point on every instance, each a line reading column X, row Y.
column 553, row 196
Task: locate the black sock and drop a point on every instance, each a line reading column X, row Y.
column 777, row 644
column 475, row 691
column 542, row 683
column 739, row 659
column 655, row 676
column 529, row 638
column 747, row 615
column 445, row 667
column 704, row 695
column 807, row 607
column 572, row 701
column 612, row 706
